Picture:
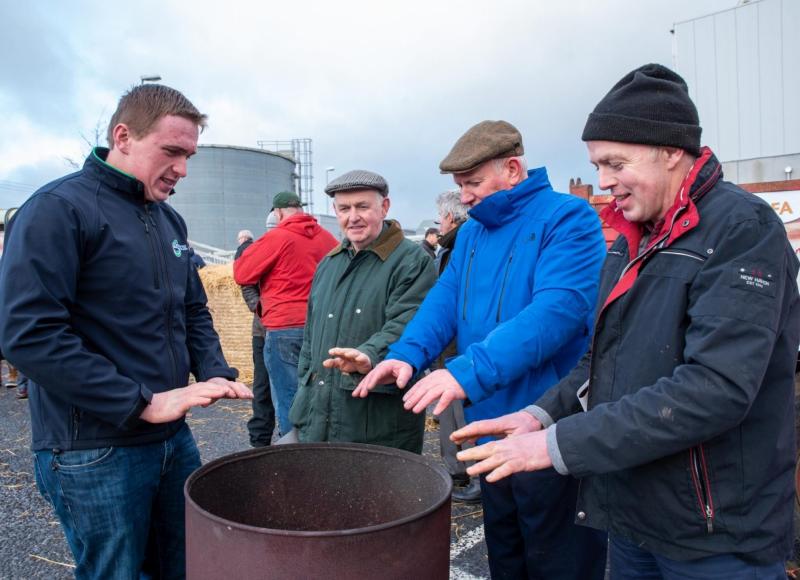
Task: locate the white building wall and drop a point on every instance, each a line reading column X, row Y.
column 743, row 70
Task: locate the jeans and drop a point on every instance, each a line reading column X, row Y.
column 281, row 354
column 262, row 423
column 530, row 530
column 122, row 508
column 629, row 562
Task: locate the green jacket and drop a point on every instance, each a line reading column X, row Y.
column 360, row 300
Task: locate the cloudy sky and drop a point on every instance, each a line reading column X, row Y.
column 386, row 86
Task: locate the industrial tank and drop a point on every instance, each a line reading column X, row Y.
column 229, row 189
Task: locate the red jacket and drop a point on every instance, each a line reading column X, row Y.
column 282, row 262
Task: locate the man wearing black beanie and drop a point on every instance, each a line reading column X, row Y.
column 679, row 419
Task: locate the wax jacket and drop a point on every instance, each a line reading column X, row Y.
column 360, row 300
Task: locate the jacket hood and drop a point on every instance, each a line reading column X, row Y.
column 501, row 207
column 301, row 224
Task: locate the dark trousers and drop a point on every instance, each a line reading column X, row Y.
column 629, row 562
column 452, row 419
column 530, row 530
column 262, row 423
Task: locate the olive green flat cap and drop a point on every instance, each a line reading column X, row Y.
column 486, row 140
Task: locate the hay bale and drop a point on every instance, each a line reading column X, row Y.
column 232, row 320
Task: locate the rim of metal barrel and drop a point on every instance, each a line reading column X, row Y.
column 359, row 447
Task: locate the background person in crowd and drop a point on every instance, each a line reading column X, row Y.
column 282, row 263
column 686, row 447
column 364, row 293
column 102, row 309
column 452, row 213
column 517, row 295
column 431, row 242
column 262, row 424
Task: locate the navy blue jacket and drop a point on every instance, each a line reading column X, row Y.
column 517, row 295
column 688, row 446
column 101, row 307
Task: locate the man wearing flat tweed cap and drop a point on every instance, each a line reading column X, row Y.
column 682, row 429
column 363, row 294
column 517, row 296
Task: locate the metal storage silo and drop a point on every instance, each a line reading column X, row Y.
column 228, row 189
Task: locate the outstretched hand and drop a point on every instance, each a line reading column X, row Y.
column 348, row 360
column 386, row 372
column 527, row 452
column 517, row 423
column 439, row 386
column 171, row 405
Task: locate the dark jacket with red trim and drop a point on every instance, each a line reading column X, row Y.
column 687, row 447
column 101, row 307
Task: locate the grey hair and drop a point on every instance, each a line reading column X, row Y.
column 449, row 202
column 245, row 234
column 498, row 163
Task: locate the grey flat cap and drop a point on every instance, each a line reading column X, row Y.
column 485, row 141
column 358, row 179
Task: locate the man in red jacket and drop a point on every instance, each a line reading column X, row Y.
column 282, row 262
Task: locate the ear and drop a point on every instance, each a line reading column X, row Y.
column 515, row 172
column 385, row 204
column 674, row 156
column 122, row 138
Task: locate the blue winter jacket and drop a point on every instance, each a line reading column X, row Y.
column 101, row 308
column 518, row 295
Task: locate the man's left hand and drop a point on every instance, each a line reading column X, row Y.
column 348, row 360
column 508, row 456
column 438, row 386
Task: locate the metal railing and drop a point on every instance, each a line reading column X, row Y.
column 211, row 254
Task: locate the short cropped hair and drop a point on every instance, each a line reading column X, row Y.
column 144, row 105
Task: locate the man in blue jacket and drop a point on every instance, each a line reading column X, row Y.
column 517, row 296
column 102, row 308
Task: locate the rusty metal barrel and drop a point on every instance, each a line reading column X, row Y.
column 318, row 511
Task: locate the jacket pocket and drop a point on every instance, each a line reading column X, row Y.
column 701, row 482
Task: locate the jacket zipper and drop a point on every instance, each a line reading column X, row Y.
column 163, row 262
column 503, row 286
column 466, row 282
column 624, row 270
column 684, row 254
column 702, row 485
column 152, row 249
column 76, row 424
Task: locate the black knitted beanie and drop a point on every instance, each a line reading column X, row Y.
column 649, row 105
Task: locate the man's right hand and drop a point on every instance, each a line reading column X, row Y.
column 386, row 372
column 517, row 423
column 171, row 405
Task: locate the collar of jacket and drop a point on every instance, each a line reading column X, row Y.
column 448, row 240
column 503, row 206
column 114, row 178
column 383, row 246
column 703, row 175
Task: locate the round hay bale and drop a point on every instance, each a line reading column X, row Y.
column 232, row 319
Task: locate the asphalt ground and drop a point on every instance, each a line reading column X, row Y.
column 32, row 544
